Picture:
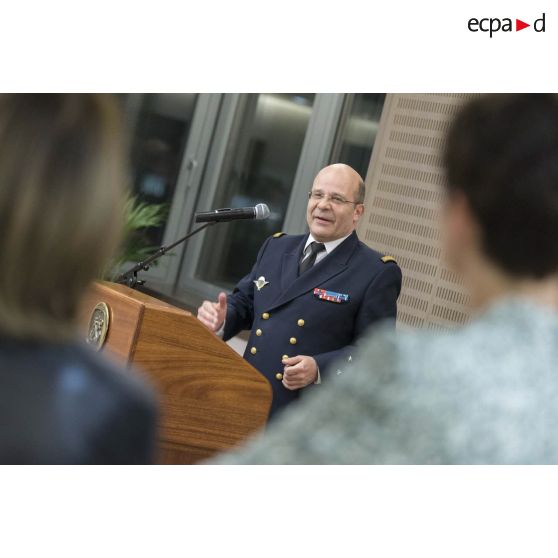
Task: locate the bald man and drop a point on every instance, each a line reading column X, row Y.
column 309, row 297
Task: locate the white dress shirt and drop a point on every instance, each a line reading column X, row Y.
column 329, row 247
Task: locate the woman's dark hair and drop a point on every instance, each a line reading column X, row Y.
column 502, row 154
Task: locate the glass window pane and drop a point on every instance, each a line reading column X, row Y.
column 359, row 132
column 161, row 132
column 259, row 167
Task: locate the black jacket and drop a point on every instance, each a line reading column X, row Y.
column 65, row 404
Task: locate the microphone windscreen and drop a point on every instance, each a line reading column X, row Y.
column 262, row 211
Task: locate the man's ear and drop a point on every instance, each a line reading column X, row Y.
column 359, row 210
column 460, row 229
column 462, row 216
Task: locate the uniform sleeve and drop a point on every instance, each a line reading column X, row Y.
column 379, row 303
column 240, row 303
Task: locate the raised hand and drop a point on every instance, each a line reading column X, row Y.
column 213, row 314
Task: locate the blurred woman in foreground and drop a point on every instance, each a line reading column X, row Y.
column 61, row 193
column 487, row 392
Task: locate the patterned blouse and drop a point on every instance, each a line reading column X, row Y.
column 484, row 393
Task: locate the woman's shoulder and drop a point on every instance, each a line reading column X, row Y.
column 70, row 366
column 510, row 332
column 122, row 380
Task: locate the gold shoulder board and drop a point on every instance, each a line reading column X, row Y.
column 277, row 235
column 387, row 259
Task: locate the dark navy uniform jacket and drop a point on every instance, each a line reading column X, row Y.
column 287, row 317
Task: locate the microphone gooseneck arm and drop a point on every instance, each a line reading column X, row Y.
column 130, row 277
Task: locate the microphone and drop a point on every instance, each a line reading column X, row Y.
column 261, row 211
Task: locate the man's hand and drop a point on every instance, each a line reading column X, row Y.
column 299, row 371
column 213, row 314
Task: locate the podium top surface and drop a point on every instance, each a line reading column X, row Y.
column 137, row 296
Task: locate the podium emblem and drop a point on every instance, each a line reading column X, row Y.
column 98, row 326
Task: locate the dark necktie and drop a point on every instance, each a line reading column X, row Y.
column 315, row 249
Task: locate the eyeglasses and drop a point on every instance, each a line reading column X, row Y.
column 334, row 199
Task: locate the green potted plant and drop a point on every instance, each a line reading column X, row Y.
column 138, row 217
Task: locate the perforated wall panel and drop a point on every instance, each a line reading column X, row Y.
column 403, row 198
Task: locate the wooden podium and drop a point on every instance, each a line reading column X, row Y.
column 211, row 399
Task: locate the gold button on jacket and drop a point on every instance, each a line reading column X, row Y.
column 265, row 316
column 300, row 322
column 279, row 376
column 253, row 350
column 258, row 332
column 292, row 340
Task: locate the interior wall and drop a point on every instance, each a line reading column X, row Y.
column 403, row 197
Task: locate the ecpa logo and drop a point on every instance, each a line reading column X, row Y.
column 494, row 24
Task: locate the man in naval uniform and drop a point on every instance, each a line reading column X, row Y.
column 309, row 297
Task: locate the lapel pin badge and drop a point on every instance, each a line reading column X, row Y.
column 260, row 283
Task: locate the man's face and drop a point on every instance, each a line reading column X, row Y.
column 329, row 218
